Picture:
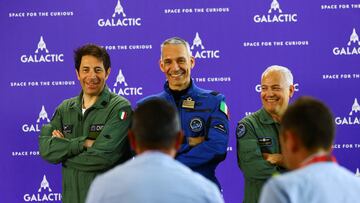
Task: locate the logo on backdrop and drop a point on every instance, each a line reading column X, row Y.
column 42, row 119
column 353, row 116
column 357, row 173
column 352, row 48
column 44, row 193
column 119, row 18
column 42, row 55
column 258, row 87
column 276, row 15
column 122, row 88
column 198, row 49
column 44, row 185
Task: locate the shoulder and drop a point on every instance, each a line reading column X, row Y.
column 67, row 103
column 274, row 191
column 209, row 189
column 198, row 184
column 252, row 118
column 209, row 94
column 119, row 100
column 247, row 123
column 210, row 99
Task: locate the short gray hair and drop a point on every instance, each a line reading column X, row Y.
column 285, row 72
column 176, row 40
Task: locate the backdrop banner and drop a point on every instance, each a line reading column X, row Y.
column 233, row 42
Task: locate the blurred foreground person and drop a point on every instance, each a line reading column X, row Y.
column 154, row 176
column 306, row 137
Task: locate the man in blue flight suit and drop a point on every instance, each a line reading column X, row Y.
column 203, row 113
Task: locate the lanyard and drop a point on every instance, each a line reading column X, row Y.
column 319, row 157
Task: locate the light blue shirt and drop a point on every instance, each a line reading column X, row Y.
column 316, row 183
column 153, row 177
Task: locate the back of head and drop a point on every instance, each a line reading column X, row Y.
column 311, row 121
column 92, row 50
column 156, row 124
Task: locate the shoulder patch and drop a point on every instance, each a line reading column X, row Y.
column 123, row 115
column 240, row 130
column 220, row 127
column 214, row 93
column 224, row 109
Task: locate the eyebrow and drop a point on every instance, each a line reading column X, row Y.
column 271, row 85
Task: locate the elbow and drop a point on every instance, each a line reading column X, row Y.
column 48, row 157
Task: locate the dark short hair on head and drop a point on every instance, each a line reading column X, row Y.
column 311, row 121
column 156, row 124
column 92, row 50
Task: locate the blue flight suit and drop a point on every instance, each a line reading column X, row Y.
column 204, row 121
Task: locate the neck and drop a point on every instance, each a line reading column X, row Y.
column 180, row 88
column 275, row 117
column 311, row 155
column 170, row 152
column 88, row 101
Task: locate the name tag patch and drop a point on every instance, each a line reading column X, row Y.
column 96, row 127
column 95, row 130
column 265, row 141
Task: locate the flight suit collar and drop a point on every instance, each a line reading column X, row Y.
column 104, row 98
column 265, row 117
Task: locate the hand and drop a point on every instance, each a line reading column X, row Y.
column 57, row 133
column 88, row 143
column 276, row 159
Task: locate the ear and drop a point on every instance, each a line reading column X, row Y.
column 192, row 61
column 179, row 139
column 291, row 90
column 132, row 139
column 107, row 73
column 292, row 141
column 161, row 64
column 77, row 74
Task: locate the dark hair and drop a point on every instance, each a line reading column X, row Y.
column 311, row 121
column 156, row 124
column 92, row 50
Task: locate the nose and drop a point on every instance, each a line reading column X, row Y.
column 267, row 92
column 175, row 66
column 92, row 74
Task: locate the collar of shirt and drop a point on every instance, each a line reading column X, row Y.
column 265, row 117
column 103, row 99
column 320, row 156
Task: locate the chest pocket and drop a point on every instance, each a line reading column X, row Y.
column 266, row 144
column 95, row 130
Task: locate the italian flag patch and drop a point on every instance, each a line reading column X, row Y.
column 123, row 115
column 224, row 108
